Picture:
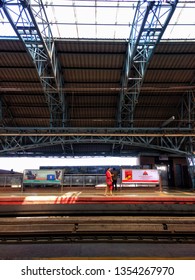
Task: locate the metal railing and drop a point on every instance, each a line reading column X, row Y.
column 83, row 180
column 11, row 180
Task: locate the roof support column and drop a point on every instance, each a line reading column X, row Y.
column 150, row 21
column 39, row 43
column 186, row 110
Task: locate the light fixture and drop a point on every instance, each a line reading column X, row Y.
column 168, row 121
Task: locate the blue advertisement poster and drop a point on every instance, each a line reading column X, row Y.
column 45, row 177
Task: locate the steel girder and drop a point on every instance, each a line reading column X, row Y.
column 186, row 110
column 23, row 140
column 150, row 21
column 186, row 115
column 40, row 45
column 1, row 109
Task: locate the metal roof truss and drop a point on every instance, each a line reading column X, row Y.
column 40, row 45
column 23, row 140
column 150, row 21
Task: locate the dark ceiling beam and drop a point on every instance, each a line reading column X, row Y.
column 155, row 106
column 164, row 83
column 82, row 95
column 74, row 106
column 69, row 82
column 95, row 53
column 91, row 106
column 10, row 67
column 39, row 118
column 165, row 88
column 90, row 83
column 21, row 92
column 183, row 53
column 120, row 131
column 86, row 68
column 187, row 68
column 12, row 52
column 30, row 82
column 27, row 105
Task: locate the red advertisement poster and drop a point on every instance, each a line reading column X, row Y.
column 140, row 176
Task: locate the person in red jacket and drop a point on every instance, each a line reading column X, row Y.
column 108, row 182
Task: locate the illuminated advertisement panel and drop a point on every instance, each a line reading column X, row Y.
column 44, row 177
column 140, row 176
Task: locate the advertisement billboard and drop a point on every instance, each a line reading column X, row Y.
column 140, row 176
column 43, row 177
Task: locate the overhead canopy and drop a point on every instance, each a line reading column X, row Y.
column 91, row 69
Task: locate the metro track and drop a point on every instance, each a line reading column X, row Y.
column 138, row 208
column 94, row 229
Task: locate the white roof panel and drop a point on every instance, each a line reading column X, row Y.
column 104, row 19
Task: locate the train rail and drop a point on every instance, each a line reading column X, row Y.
column 65, row 229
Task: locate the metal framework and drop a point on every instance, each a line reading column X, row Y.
column 186, row 110
column 40, row 45
column 150, row 21
column 186, row 115
column 23, row 140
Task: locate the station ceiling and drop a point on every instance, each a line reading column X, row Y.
column 91, row 68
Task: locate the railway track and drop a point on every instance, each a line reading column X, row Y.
column 101, row 209
column 126, row 229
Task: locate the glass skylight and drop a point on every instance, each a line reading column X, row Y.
column 104, row 19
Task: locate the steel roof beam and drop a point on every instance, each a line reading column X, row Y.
column 6, row 130
column 40, row 45
column 150, row 21
column 22, row 139
column 31, row 144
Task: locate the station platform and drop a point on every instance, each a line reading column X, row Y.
column 92, row 201
column 83, row 223
column 82, row 195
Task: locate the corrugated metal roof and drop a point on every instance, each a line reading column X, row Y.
column 91, row 46
column 92, row 73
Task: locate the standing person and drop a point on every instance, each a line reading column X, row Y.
column 108, row 182
column 114, row 178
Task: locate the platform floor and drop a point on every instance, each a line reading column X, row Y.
column 80, row 195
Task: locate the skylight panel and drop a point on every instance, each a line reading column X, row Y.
column 103, row 19
column 105, row 15
column 178, row 32
column 125, row 16
column 62, row 14
column 85, row 31
column 181, row 25
column 86, row 15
